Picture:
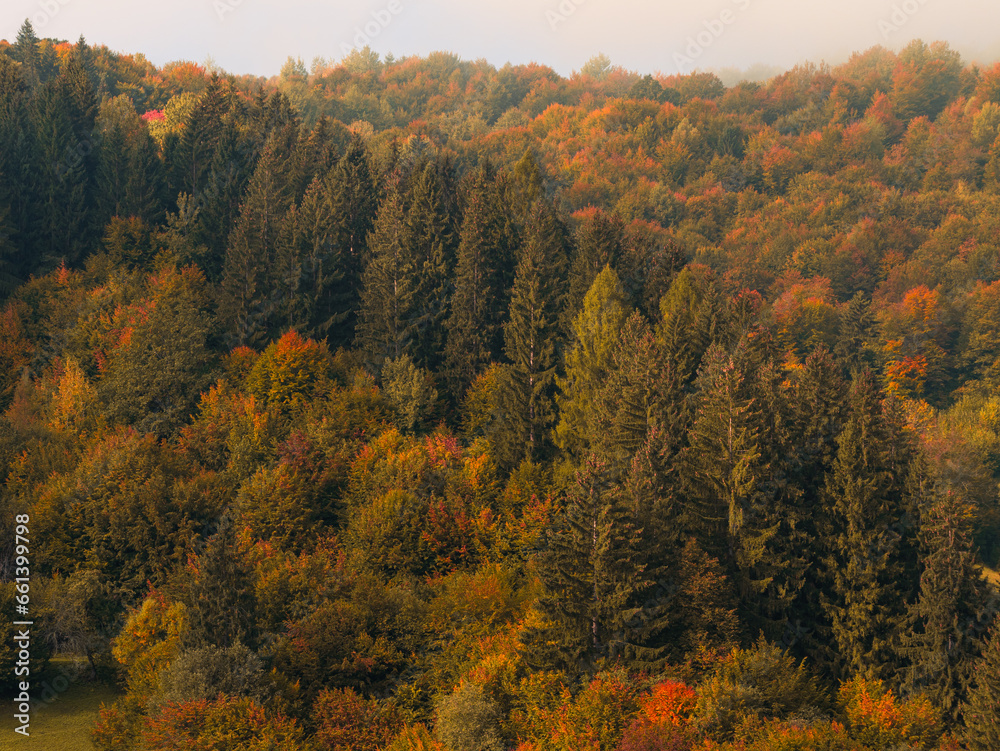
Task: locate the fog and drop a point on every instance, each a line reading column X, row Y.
column 256, row 36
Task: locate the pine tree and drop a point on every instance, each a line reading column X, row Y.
column 855, row 347
column 596, row 329
column 250, row 256
column 25, row 51
column 353, row 202
column 65, row 110
column 591, row 575
column 385, row 319
column 871, row 523
column 599, row 243
column 431, row 225
column 531, row 334
column 726, row 464
column 945, row 626
column 981, row 712
column 526, row 186
column 483, row 280
column 192, row 158
column 692, row 317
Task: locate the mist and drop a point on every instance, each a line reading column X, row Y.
column 737, row 37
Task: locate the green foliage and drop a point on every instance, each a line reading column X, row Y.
column 762, row 682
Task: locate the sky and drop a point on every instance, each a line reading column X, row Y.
column 258, row 36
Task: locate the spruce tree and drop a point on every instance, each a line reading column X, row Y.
column 599, row 243
column 981, row 712
column 222, row 603
column 596, row 328
column 250, row 257
column 945, row 626
column 726, row 464
column 432, row 228
column 871, row 523
column 385, row 320
column 483, row 280
column 353, row 202
column 531, row 335
column 591, row 574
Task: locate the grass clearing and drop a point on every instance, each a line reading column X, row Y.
column 64, row 723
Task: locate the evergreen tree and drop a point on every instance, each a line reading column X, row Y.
column 531, row 334
column 431, row 224
column 591, row 574
column 222, row 604
column 856, row 347
column 945, row 626
column 353, row 202
column 981, row 712
column 599, row 243
column 692, row 317
column 385, row 320
column 191, row 160
column 526, row 186
column 871, row 522
column 483, row 280
column 65, row 110
column 250, row 256
column 726, row 465
column 588, row 364
column 25, row 51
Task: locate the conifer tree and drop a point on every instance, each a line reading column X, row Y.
column 945, row 626
column 531, row 334
column 483, row 279
column 692, row 317
column 250, row 256
column 431, row 226
column 64, row 121
column 526, row 186
column 353, row 202
column 599, row 243
column 596, row 328
column 385, row 319
column 981, row 712
column 871, row 523
column 726, row 464
column 855, row 348
column 222, row 603
column 591, row 574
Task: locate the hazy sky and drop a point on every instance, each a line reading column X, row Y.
column 256, row 36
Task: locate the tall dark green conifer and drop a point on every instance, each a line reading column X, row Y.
column 981, row 713
column 250, row 257
column 483, row 279
column 353, row 201
column 599, row 243
column 947, row 623
column 385, row 319
column 222, row 604
column 591, row 573
column 433, row 235
column 872, row 522
column 531, row 335
column 727, row 464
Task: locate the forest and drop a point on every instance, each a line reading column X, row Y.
column 423, row 405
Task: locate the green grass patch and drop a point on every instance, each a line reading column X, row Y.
column 64, row 722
